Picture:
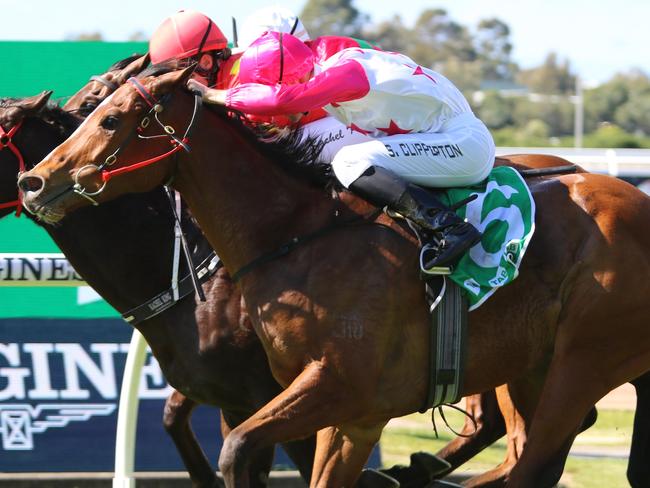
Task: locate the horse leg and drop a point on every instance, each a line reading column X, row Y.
column 261, row 461
column 559, row 416
column 310, row 403
column 489, row 427
column 347, row 447
column 516, row 403
column 176, row 419
column 638, row 468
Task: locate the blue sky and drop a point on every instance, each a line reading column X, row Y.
column 598, row 37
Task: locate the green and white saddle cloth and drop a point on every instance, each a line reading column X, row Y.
column 504, row 212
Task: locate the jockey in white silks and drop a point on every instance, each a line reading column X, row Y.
column 421, row 129
column 274, row 18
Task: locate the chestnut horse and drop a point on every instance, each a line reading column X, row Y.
column 486, row 425
column 586, row 268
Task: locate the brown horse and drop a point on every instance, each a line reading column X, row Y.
column 487, row 423
column 178, row 407
column 586, row 267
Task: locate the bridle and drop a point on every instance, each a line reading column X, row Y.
column 111, row 85
column 6, row 142
column 156, row 107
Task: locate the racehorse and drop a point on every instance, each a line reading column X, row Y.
column 343, row 351
column 45, row 127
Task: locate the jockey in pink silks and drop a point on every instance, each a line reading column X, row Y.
column 421, row 130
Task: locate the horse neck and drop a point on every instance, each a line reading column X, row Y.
column 123, row 249
column 245, row 204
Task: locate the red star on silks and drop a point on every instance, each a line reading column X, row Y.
column 393, row 129
column 420, row 71
column 356, row 128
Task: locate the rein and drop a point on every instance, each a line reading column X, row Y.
column 156, row 108
column 286, row 248
column 6, row 141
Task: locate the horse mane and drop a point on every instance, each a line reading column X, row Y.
column 61, row 119
column 284, row 147
column 124, row 62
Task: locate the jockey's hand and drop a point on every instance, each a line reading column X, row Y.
column 210, row 95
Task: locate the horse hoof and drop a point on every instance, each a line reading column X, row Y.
column 442, row 484
column 429, row 463
column 423, row 468
column 371, row 478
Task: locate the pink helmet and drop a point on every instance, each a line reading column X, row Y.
column 276, row 58
column 183, row 34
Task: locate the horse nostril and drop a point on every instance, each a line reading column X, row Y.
column 30, row 183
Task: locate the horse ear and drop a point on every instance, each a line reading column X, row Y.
column 173, row 80
column 134, row 68
column 33, row 104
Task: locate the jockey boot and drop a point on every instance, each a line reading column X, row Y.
column 454, row 236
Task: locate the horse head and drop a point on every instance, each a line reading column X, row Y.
column 126, row 128
column 19, row 149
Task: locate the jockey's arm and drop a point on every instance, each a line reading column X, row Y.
column 339, row 83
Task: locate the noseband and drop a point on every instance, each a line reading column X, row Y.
column 156, row 107
column 6, row 141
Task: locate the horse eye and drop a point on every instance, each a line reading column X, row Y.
column 87, row 108
column 110, row 123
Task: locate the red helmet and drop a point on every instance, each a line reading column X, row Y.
column 183, row 34
column 276, row 57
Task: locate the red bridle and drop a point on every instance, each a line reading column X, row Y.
column 177, row 144
column 5, row 141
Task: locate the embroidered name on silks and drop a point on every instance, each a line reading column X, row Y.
column 333, row 136
column 418, row 149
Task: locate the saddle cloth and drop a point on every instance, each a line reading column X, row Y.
column 504, row 211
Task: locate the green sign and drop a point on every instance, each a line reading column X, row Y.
column 30, row 68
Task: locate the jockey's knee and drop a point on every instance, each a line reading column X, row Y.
column 349, row 164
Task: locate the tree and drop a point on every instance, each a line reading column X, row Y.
column 333, row 17
column 551, row 77
column 495, row 110
column 437, row 38
column 466, row 75
column 391, row 35
column 85, row 36
column 493, row 47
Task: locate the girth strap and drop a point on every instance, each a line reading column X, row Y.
column 448, row 344
column 165, row 300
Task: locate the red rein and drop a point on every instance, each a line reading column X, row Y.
column 5, row 141
column 107, row 175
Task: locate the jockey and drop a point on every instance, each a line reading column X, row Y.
column 274, row 18
column 179, row 39
column 189, row 37
column 422, row 129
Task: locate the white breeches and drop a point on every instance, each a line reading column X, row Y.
column 460, row 154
